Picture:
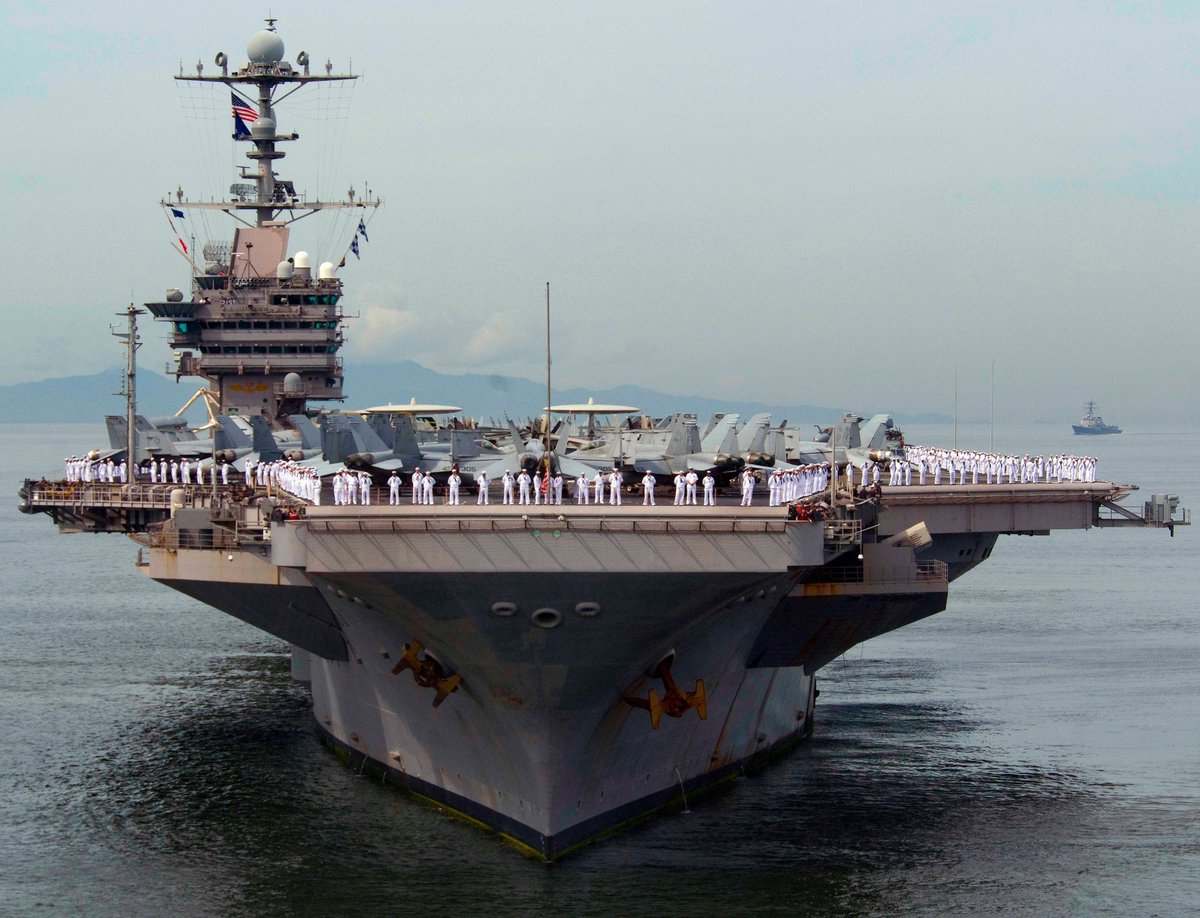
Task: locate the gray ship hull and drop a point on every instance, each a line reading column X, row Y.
column 556, row 637
column 556, row 673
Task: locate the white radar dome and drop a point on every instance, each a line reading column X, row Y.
column 265, row 47
column 301, row 260
column 263, row 127
column 174, row 295
column 325, row 272
column 284, row 270
column 292, row 384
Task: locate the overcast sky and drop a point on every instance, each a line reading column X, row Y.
column 840, row 204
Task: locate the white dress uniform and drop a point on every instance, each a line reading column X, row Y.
column 482, row 481
column 417, row 486
column 523, row 481
column 506, row 482
column 710, row 489
column 690, row 480
column 598, row 484
column 581, row 489
column 648, row 482
column 393, row 489
column 614, row 488
column 455, row 482
column 427, row 488
column 748, row 488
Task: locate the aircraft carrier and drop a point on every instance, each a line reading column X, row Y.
column 553, row 672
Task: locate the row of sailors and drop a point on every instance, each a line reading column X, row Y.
column 997, row 468
column 899, row 472
column 83, row 468
column 304, row 481
column 783, row 487
column 686, row 484
column 536, row 489
column 545, row 490
column 156, row 471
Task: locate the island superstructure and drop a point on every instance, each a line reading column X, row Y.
column 553, row 671
column 261, row 327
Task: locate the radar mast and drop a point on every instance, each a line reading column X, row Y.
column 259, row 327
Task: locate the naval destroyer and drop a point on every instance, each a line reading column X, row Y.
column 550, row 672
column 1091, row 424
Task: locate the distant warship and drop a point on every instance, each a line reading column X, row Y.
column 552, row 672
column 1092, row 424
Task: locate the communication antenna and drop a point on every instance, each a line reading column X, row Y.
column 129, row 381
column 546, row 436
column 956, row 406
column 992, row 442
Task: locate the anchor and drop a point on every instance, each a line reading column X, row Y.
column 427, row 672
column 675, row 702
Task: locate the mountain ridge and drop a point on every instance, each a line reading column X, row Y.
column 75, row 399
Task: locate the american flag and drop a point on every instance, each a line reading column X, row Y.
column 243, row 114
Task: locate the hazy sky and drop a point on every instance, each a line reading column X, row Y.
column 794, row 202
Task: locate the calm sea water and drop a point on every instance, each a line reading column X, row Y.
column 1033, row 750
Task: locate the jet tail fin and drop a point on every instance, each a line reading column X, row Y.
column 405, row 445
column 263, row 441
column 227, row 434
column 310, row 437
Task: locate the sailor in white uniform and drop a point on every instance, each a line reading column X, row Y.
column 506, row 484
column 598, row 483
column 614, row 488
column 648, row 482
column 748, row 481
column 523, row 482
column 454, row 482
column 710, row 490
column 427, row 488
column 417, row 485
column 581, row 489
column 482, row 481
column 393, row 489
column 690, row 480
